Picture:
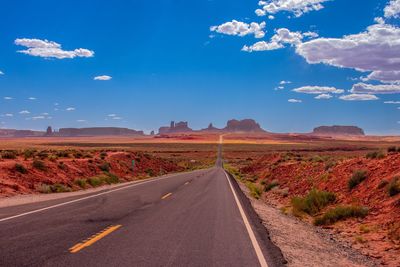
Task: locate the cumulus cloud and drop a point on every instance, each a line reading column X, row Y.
column 281, row 37
column 294, row 101
column 239, row 28
column 102, row 78
column 358, row 97
column 70, row 109
column 323, row 96
column 317, row 90
column 8, row 98
column 297, row 7
column 376, row 50
column 49, row 49
column 364, row 88
column 392, row 10
column 24, row 112
column 285, row 82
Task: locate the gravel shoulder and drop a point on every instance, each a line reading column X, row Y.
column 303, row 244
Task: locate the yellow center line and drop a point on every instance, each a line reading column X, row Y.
column 90, row 241
column 167, row 195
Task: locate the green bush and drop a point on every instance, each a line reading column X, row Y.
column 271, row 185
column 44, row 188
column 103, row 155
column 313, row 202
column 357, row 177
column 341, row 213
column 392, row 149
column 20, row 168
column 95, row 181
column 394, row 186
column 111, row 178
column 43, row 155
column 9, row 154
column 105, row 167
column 40, row 165
column 62, row 166
column 255, row 190
column 29, row 153
column 62, row 154
column 59, row 188
column 149, row 172
column 81, row 183
column 376, row 155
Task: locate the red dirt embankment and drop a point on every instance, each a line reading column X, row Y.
column 65, row 171
column 376, row 235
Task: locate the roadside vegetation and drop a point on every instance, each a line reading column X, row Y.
column 313, row 202
column 341, row 213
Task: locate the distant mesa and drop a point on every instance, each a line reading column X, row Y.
column 338, row 130
column 247, row 125
column 211, row 128
column 179, row 127
column 96, row 131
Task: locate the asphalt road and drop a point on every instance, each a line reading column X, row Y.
column 191, row 219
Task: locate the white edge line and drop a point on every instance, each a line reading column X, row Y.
column 88, row 197
column 253, row 238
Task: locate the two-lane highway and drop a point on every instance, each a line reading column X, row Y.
column 189, row 219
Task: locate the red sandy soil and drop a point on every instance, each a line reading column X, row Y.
column 298, row 176
column 13, row 182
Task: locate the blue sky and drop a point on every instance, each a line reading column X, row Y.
column 165, row 63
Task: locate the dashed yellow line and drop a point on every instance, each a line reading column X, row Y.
column 94, row 238
column 167, row 195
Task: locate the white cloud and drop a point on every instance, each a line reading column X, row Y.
column 379, row 20
column 376, row 50
column 70, row 109
column 271, row 17
column 358, row 97
column 392, row 10
column 285, row 82
column 281, row 37
column 392, row 102
column 260, row 12
column 45, row 114
column 310, row 34
column 24, row 112
column 49, row 49
column 116, row 118
column 363, row 88
column 81, row 120
column 7, row 115
column 1, row 73
column 8, row 98
column 294, row 101
column 323, row 96
column 297, row 7
column 318, row 90
column 279, row 88
column 111, row 115
column 31, row 98
column 38, row 118
column 239, row 28
column 102, row 78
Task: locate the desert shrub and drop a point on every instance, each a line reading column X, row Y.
column 341, row 213
column 317, row 158
column 313, row 202
column 40, row 165
column 271, row 185
column 43, row 155
column 81, row 183
column 78, row 154
column 95, row 181
column 394, row 186
column 255, row 190
column 103, row 155
column 149, row 172
column 9, row 154
column 53, row 158
column 105, row 167
column 20, row 168
column 62, row 166
column 111, row 178
column 62, row 154
column 376, row 155
column 44, row 188
column 357, row 177
column 29, row 153
column 330, row 164
column 59, row 188
column 392, row 149
column 382, row 184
